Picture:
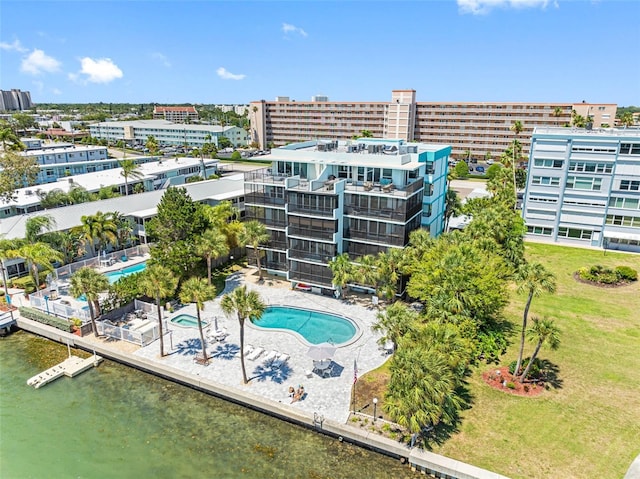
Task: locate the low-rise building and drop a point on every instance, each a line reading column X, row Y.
column 583, row 187
column 154, row 175
column 167, row 133
column 176, row 114
column 322, row 198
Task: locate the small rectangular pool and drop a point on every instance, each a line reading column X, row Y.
column 187, row 321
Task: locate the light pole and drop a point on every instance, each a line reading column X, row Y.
column 46, row 301
column 375, row 407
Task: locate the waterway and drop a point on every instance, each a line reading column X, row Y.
column 116, row 422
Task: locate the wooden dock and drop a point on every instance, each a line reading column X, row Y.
column 70, row 367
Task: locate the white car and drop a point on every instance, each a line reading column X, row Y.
column 489, row 162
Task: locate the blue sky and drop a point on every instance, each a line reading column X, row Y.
column 236, row 52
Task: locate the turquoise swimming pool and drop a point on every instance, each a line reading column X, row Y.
column 114, row 276
column 315, row 327
column 187, row 321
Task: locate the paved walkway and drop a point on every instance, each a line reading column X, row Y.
column 327, row 396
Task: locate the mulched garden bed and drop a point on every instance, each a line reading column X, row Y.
column 498, row 378
column 577, row 277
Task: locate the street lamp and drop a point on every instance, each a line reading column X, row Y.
column 375, row 407
column 46, row 301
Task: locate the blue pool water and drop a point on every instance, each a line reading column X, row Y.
column 314, row 326
column 114, row 276
column 187, row 321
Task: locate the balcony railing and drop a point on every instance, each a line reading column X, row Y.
column 262, row 199
column 310, row 210
column 322, row 234
column 394, row 240
column 306, row 255
column 265, row 175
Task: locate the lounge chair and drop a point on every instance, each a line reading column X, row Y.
column 271, row 357
column 249, row 349
column 280, row 360
column 255, row 354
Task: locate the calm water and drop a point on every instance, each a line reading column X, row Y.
column 116, row 422
column 314, row 326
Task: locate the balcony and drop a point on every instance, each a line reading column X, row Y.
column 311, row 233
column 265, row 175
column 262, row 199
column 393, row 240
column 308, row 256
column 310, row 210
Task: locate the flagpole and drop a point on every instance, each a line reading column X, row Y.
column 355, row 381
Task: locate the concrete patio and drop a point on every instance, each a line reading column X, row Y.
column 329, row 397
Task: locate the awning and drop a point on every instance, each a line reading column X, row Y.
column 619, row 235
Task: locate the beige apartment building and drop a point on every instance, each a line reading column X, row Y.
column 478, row 127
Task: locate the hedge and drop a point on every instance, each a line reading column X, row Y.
column 26, row 283
column 44, row 318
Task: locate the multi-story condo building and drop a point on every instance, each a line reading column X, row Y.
column 583, row 187
column 15, row 100
column 478, row 127
column 60, row 160
column 322, row 198
column 237, row 109
column 176, row 114
column 167, row 133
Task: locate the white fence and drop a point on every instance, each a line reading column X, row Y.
column 142, row 330
column 64, row 272
column 41, row 301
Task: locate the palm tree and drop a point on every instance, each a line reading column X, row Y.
column 196, row 290
column 99, row 227
column 395, row 322
column 224, row 216
column 36, row 226
column 89, row 282
column 626, row 119
column 557, row 111
column 37, row 255
column 211, row 245
column 246, row 305
column 533, row 279
column 453, row 206
column 152, row 145
column 543, row 331
column 342, row 270
column 158, row 282
column 10, row 141
column 130, row 169
column 516, row 128
column 7, row 247
column 255, row 233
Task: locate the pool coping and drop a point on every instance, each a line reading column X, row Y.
column 357, row 335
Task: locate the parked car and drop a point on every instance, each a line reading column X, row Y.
column 490, row 162
column 480, row 169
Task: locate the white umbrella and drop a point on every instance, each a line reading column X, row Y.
column 322, row 351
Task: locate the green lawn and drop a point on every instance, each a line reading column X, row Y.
column 590, row 426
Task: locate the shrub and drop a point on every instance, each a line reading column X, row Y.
column 526, row 388
column 511, row 385
column 627, row 273
column 534, row 372
column 44, row 318
column 599, row 274
column 26, row 283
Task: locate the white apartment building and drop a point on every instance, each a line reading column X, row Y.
column 477, row 127
column 167, row 133
column 583, row 187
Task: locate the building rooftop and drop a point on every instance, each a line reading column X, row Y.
column 111, row 177
column 140, row 205
column 374, row 152
column 632, row 132
column 161, row 109
column 63, row 148
column 163, row 125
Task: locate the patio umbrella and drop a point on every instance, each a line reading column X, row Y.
column 322, row 351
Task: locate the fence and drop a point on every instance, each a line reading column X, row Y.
column 65, row 272
column 142, row 333
column 41, row 301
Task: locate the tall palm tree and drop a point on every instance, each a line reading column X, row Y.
column 89, row 282
column 516, row 128
column 543, row 331
column 557, row 111
column 158, row 282
column 152, row 145
column 37, row 255
column 7, row 247
column 453, row 206
column 98, row 229
column 130, row 169
column 342, row 270
column 224, row 216
column 211, row 245
column 255, row 233
column 533, row 279
column 196, row 290
column 246, row 305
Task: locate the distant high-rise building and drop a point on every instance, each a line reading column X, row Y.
column 471, row 129
column 15, row 100
column 177, row 114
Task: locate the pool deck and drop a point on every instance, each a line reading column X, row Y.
column 330, row 396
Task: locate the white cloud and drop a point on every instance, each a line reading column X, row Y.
column 481, row 7
column 38, row 61
column 161, row 58
column 102, row 70
column 15, row 45
column 227, row 75
column 288, row 28
column 56, row 91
